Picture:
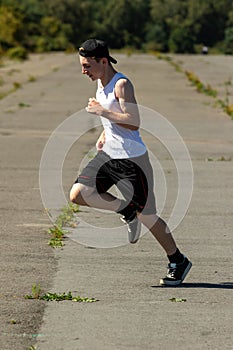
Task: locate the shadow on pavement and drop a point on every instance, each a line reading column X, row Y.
column 222, row 285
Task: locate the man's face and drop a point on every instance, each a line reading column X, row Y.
column 90, row 67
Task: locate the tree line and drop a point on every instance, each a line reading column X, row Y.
column 179, row 26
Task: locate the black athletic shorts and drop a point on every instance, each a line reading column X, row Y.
column 133, row 177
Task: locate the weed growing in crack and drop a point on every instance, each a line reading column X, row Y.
column 58, row 234
column 65, row 219
column 200, row 86
column 225, row 104
column 23, row 104
column 36, row 291
column 60, row 297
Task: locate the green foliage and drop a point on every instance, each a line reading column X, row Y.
column 36, row 294
column 23, row 104
column 57, row 233
column 228, row 41
column 36, row 291
column 209, row 19
column 79, row 15
column 128, row 19
column 65, row 219
column 31, row 78
column 181, row 40
column 178, row 300
column 176, row 25
column 1, row 81
column 197, row 21
column 10, row 25
column 200, row 86
column 54, row 35
column 66, row 296
column 156, row 38
column 17, row 53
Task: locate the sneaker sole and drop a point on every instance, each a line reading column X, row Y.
column 133, row 242
column 163, row 282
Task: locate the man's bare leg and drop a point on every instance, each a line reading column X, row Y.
column 160, row 231
column 87, row 196
column 179, row 265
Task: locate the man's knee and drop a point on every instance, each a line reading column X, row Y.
column 75, row 194
column 79, row 193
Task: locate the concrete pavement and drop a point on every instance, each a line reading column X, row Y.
column 133, row 311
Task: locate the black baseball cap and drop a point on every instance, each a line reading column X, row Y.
column 95, row 48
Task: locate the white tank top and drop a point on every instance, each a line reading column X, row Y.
column 120, row 142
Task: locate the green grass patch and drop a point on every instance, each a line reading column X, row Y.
column 13, row 321
column 178, row 300
column 3, row 94
column 225, row 104
column 200, row 86
column 36, row 294
column 16, row 85
column 22, row 104
column 1, row 81
column 57, row 233
column 17, row 53
column 65, row 219
column 31, row 79
column 220, row 159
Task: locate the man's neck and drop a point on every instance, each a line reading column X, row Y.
column 108, row 75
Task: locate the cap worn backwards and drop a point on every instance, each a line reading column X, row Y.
column 95, row 48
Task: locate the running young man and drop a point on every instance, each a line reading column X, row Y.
column 122, row 159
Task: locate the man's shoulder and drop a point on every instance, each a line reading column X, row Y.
column 123, row 81
column 124, row 88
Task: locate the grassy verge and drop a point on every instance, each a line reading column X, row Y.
column 201, row 87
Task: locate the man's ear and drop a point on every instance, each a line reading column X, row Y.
column 104, row 60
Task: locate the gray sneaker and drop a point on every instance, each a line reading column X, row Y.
column 134, row 228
